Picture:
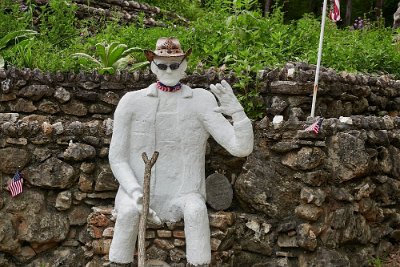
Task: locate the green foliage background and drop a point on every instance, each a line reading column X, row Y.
column 225, row 33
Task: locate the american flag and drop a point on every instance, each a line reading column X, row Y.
column 15, row 186
column 334, row 14
column 315, row 127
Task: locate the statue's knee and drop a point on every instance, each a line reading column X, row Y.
column 127, row 214
column 195, row 210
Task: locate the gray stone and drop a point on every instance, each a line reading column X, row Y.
column 62, row 95
column 8, row 241
column 86, row 95
column 49, row 107
column 315, row 178
column 6, row 85
column 53, row 173
column 108, row 125
column 64, row 200
column 323, row 258
column 22, row 105
column 44, row 227
column 85, row 183
column 99, row 108
column 62, row 256
column 8, row 117
column 41, row 154
column 272, row 192
column 356, row 230
column 308, row 212
column 74, row 128
column 306, row 158
column 58, row 127
column 219, row 191
column 105, row 179
column 306, row 237
column 283, row 147
column 277, row 105
column 257, row 246
column 17, row 141
column 13, row 159
column 78, row 215
column 286, row 241
column 341, row 194
column 110, row 98
column 79, row 152
column 74, row 108
column 347, row 157
column 7, row 97
column 315, row 196
column 89, row 85
column 177, row 254
column 156, row 253
column 290, row 88
column 35, row 91
column 92, row 127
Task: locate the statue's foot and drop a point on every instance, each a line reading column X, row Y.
column 201, row 265
column 114, row 264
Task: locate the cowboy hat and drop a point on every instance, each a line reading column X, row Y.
column 167, row 47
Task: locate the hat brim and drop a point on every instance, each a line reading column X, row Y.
column 150, row 55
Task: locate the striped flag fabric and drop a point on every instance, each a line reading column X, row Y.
column 15, row 186
column 315, row 127
column 334, row 14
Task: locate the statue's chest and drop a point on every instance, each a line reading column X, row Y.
column 166, row 121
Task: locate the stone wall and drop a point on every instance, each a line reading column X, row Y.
column 300, row 199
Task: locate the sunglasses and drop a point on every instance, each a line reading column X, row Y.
column 173, row 66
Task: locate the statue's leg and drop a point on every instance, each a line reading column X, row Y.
column 197, row 230
column 125, row 231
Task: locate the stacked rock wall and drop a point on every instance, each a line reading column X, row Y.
column 301, row 199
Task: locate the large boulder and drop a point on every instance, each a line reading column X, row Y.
column 347, row 157
column 53, row 173
column 267, row 186
column 13, row 159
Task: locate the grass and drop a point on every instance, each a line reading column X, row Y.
column 233, row 36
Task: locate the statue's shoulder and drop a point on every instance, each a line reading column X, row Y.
column 134, row 95
column 202, row 93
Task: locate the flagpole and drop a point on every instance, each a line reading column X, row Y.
column 321, row 41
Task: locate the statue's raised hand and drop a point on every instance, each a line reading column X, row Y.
column 138, row 201
column 227, row 99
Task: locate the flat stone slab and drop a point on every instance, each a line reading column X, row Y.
column 219, row 191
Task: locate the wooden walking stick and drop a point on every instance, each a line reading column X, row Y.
column 146, row 203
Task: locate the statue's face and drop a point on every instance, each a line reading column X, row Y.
column 169, row 71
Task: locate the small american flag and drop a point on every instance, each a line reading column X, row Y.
column 315, row 127
column 334, row 14
column 15, row 186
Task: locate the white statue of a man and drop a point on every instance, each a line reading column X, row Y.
column 175, row 120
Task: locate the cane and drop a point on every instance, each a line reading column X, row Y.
column 146, row 203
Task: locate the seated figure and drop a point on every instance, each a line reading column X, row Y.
column 175, row 120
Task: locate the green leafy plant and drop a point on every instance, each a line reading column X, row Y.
column 112, row 57
column 376, row 262
column 15, row 36
column 24, row 50
column 58, row 22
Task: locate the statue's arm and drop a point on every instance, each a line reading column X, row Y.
column 237, row 139
column 119, row 147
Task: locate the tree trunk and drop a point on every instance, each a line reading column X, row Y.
column 348, row 12
column 379, row 8
column 267, row 7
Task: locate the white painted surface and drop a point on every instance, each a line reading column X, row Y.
column 177, row 124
